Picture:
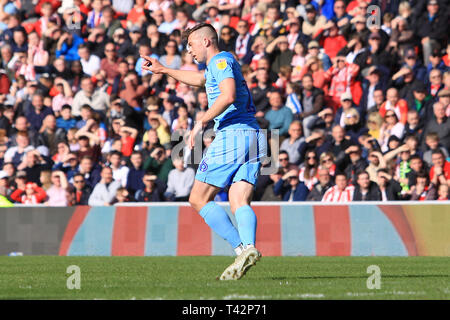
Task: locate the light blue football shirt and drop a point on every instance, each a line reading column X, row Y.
column 240, row 114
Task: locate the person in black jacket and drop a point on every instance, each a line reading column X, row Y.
column 431, row 28
column 290, row 187
column 366, row 190
column 82, row 190
column 390, row 189
column 319, row 189
column 153, row 190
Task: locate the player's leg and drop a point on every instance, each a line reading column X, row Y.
column 202, row 200
column 240, row 196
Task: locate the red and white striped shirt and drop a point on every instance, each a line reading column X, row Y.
column 334, row 195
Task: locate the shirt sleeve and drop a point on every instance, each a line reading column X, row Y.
column 222, row 69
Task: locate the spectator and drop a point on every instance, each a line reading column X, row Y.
column 90, row 62
column 159, row 163
column 341, row 77
column 153, row 190
column 135, row 173
column 440, row 124
column 279, row 52
column 31, row 194
column 440, row 167
column 67, row 45
column 290, row 187
column 390, row 128
column 291, row 144
column 308, row 171
column 319, row 189
column 352, row 163
column 90, row 172
column 430, row 28
column 57, row 192
column 432, row 142
column 366, row 190
column 443, row 194
column 423, row 190
column 279, row 116
column 179, row 182
column 341, row 192
column 82, row 190
column 390, row 189
column 33, row 163
column 122, row 196
column 120, row 171
column 312, row 100
column 37, row 111
column 16, row 153
column 105, row 190
column 110, row 63
column 91, row 96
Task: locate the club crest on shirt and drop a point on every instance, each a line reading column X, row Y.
column 209, row 89
column 221, row 64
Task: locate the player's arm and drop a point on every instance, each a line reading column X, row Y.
column 224, row 100
column 227, row 96
column 192, row 78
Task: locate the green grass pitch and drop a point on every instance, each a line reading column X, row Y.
column 45, row 277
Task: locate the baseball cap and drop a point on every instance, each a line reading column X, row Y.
column 313, row 44
column 346, row 96
column 310, row 8
column 433, row 2
column 3, row 175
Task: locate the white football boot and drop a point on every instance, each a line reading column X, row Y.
column 241, row 264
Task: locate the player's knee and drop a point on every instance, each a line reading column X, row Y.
column 195, row 202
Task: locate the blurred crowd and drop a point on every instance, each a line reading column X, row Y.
column 359, row 94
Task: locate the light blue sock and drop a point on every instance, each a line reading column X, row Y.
column 246, row 220
column 218, row 220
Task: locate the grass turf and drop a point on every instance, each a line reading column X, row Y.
column 45, row 277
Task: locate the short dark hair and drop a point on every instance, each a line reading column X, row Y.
column 199, row 26
column 415, row 157
column 115, row 153
column 361, row 172
column 340, row 173
column 438, row 151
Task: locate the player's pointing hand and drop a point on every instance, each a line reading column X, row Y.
column 152, row 64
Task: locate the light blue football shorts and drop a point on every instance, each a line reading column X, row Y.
column 234, row 155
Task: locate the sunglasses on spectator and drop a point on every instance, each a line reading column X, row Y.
column 283, row 159
column 78, row 181
column 327, row 160
column 390, row 115
column 309, row 158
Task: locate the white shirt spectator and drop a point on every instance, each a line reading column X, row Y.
column 334, row 195
column 121, row 175
column 91, row 66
